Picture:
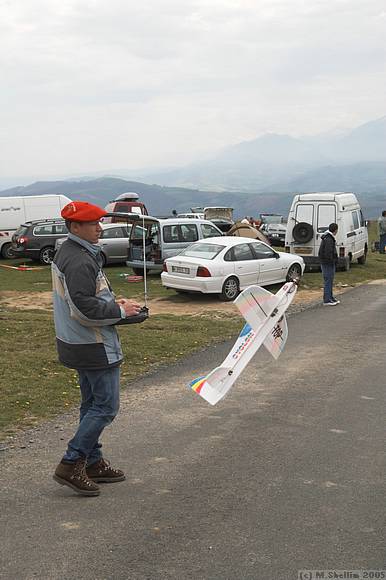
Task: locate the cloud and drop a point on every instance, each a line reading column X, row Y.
column 132, row 84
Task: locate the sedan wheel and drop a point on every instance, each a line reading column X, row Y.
column 46, row 255
column 294, row 273
column 7, row 252
column 230, row 289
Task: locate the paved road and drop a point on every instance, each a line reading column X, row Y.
column 286, row 473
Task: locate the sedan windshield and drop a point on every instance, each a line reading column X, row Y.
column 204, row 251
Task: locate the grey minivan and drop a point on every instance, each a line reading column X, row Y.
column 164, row 238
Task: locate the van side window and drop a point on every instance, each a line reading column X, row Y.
column 189, row 233
column 304, row 213
column 170, row 234
column 326, row 216
column 355, row 219
column 209, row 231
column 362, row 219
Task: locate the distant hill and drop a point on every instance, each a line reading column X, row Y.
column 283, row 163
column 253, row 176
column 161, row 200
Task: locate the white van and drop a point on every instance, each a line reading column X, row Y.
column 164, row 238
column 310, row 216
column 15, row 211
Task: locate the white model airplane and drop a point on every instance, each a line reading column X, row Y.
column 266, row 324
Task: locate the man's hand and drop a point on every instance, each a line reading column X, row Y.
column 130, row 307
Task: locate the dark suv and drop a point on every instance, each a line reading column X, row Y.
column 36, row 239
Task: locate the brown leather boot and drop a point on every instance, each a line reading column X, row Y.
column 102, row 472
column 74, row 475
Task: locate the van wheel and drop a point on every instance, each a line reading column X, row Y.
column 294, row 273
column 230, row 289
column 46, row 255
column 7, row 252
column 362, row 259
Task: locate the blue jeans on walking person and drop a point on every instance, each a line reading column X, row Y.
column 328, row 271
column 382, row 243
column 99, row 405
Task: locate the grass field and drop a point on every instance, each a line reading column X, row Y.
column 33, row 385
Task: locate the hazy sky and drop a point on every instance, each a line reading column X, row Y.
column 91, row 85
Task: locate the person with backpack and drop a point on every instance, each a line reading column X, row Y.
column 328, row 259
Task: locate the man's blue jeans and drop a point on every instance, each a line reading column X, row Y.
column 382, row 243
column 328, row 271
column 99, row 405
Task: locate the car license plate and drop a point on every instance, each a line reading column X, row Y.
column 180, row 270
column 299, row 250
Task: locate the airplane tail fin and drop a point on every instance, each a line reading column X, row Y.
column 276, row 339
column 212, row 387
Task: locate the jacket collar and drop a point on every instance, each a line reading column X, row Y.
column 94, row 249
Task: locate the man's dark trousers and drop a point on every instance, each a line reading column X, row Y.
column 328, row 271
column 382, row 243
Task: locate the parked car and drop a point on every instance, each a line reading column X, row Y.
column 25, row 209
column 226, row 265
column 310, row 216
column 36, row 239
column 221, row 217
column 125, row 203
column 114, row 242
column 165, row 238
column 192, row 215
column 271, row 218
column 276, row 234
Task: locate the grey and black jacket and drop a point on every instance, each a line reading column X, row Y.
column 84, row 308
column 327, row 250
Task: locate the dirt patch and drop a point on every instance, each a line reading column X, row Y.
column 26, row 300
column 175, row 304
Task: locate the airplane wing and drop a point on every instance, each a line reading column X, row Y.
column 256, row 304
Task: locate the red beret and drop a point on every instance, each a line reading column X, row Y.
column 81, row 211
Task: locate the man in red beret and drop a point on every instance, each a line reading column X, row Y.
column 85, row 312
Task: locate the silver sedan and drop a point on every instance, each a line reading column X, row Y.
column 114, row 242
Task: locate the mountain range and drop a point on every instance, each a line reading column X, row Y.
column 253, row 176
column 354, row 160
